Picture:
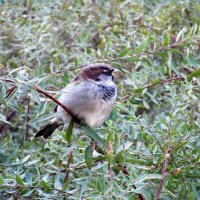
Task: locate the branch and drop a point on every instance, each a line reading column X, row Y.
column 10, row 91
column 69, row 157
column 58, row 102
column 150, row 52
column 154, row 83
column 27, row 118
column 164, row 173
column 35, row 187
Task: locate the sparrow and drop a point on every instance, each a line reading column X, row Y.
column 90, row 97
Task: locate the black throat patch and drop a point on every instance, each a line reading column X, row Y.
column 107, row 92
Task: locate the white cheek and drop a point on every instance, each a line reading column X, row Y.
column 104, row 77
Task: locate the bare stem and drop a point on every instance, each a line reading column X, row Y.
column 164, row 173
column 69, row 157
column 35, row 187
column 27, row 118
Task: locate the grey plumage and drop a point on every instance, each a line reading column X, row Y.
column 90, row 97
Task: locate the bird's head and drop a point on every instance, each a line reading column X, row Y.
column 98, row 72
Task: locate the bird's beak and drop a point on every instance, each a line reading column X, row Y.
column 116, row 73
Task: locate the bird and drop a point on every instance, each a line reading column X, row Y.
column 90, row 96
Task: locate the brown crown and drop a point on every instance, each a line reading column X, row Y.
column 92, row 71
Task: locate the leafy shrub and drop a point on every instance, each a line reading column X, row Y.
column 149, row 146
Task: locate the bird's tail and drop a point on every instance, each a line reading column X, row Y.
column 48, row 129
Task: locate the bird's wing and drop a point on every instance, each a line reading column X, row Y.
column 85, row 101
column 79, row 96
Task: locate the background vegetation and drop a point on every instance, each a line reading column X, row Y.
column 149, row 146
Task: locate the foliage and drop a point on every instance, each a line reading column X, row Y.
column 152, row 137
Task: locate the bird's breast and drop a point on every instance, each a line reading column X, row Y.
column 107, row 92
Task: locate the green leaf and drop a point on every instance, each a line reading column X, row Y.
column 148, row 177
column 193, row 174
column 28, row 178
column 1, row 179
column 35, row 96
column 25, row 159
column 91, row 133
column 143, row 46
column 69, row 132
column 66, row 185
column 124, row 52
column 19, row 180
column 65, row 77
column 28, row 193
column 3, row 157
column 88, row 156
column 124, row 147
column 146, row 105
column 41, row 108
column 191, row 61
column 134, row 59
column 3, row 119
column 2, row 95
column 195, row 74
column 180, row 35
column 165, row 38
column 57, row 183
column 45, row 185
column 42, row 118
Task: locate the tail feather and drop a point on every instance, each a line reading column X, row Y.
column 48, row 129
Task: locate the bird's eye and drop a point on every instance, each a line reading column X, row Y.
column 107, row 72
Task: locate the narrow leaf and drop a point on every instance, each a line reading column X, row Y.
column 91, row 133
column 147, row 177
column 143, row 46
column 3, row 119
column 124, row 52
column 69, row 132
column 88, row 156
column 57, row 183
column 45, row 185
column 165, row 38
column 19, row 180
column 194, row 74
column 1, row 179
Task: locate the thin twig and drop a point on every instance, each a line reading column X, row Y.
column 69, row 157
column 10, row 91
column 27, row 118
column 109, row 156
column 35, row 187
column 166, row 156
column 157, row 82
column 164, row 173
column 58, row 102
